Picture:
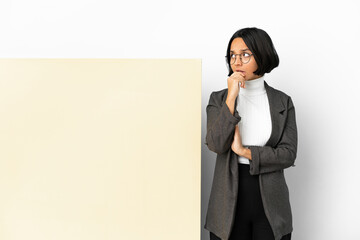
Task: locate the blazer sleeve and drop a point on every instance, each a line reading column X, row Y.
column 220, row 125
column 268, row 159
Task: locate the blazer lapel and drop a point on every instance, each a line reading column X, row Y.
column 278, row 117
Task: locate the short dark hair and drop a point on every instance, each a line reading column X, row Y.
column 260, row 44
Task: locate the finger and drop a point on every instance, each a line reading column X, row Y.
column 235, row 79
column 239, row 74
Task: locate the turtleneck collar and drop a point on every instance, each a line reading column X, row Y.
column 254, row 87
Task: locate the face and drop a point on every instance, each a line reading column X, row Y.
column 238, row 46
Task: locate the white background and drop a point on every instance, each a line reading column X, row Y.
column 318, row 46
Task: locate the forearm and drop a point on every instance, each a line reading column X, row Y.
column 268, row 159
column 230, row 103
column 220, row 126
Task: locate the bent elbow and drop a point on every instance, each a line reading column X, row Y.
column 218, row 143
column 288, row 157
column 212, row 148
column 215, row 147
column 292, row 157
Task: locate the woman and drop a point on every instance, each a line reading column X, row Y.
column 252, row 128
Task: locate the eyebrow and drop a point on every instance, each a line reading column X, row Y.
column 240, row 50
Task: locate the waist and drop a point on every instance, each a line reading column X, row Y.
column 243, row 167
column 243, row 160
column 244, row 173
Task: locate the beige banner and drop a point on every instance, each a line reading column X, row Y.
column 100, row 149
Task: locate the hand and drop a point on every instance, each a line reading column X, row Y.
column 233, row 84
column 236, row 145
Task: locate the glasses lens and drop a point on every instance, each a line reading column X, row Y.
column 245, row 57
column 232, row 59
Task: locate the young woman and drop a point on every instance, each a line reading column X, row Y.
column 252, row 128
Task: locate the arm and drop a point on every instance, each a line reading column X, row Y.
column 237, row 146
column 220, row 125
column 268, row 159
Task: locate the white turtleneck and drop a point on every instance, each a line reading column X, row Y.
column 253, row 107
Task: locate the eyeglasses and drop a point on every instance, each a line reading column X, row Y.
column 244, row 57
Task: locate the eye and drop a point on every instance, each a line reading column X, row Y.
column 246, row 54
column 232, row 55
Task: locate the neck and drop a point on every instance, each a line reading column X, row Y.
column 254, row 87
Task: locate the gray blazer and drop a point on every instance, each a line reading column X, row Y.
column 268, row 162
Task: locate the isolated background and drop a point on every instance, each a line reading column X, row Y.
column 318, row 45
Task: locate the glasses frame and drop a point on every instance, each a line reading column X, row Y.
column 230, row 59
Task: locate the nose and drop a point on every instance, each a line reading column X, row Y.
column 238, row 62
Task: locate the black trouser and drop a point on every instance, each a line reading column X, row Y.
column 251, row 222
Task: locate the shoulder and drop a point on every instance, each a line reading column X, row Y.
column 281, row 96
column 277, row 91
column 218, row 97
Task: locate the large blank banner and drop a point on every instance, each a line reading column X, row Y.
column 100, row 149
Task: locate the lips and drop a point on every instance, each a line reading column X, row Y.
column 240, row 71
